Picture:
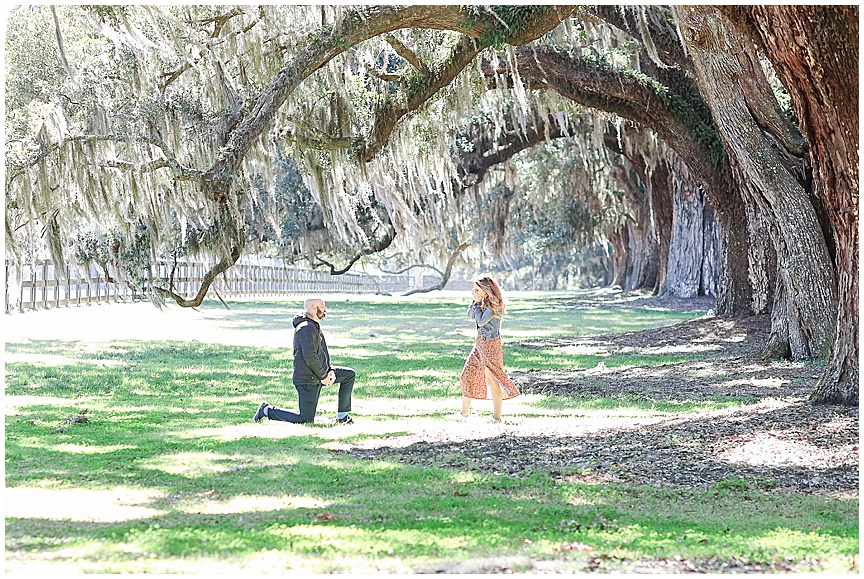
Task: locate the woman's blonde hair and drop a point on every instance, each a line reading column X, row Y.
column 494, row 297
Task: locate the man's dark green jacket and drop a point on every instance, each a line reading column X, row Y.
column 311, row 359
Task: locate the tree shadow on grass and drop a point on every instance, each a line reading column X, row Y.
column 431, row 515
column 788, row 446
column 766, row 436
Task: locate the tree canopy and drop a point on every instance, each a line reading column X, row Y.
column 136, row 133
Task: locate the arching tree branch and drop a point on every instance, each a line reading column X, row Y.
column 490, row 151
column 179, row 171
column 379, row 245
column 206, row 282
column 445, row 277
column 407, row 54
column 429, row 82
column 415, row 266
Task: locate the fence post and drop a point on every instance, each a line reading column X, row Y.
column 45, row 284
column 56, row 289
column 32, row 289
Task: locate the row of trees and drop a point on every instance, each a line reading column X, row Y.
column 420, row 129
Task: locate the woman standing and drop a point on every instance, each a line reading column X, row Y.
column 483, row 376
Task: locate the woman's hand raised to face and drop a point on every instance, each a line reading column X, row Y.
column 478, row 294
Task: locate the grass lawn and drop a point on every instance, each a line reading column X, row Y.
column 168, row 474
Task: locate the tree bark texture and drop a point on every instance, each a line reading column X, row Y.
column 722, row 59
column 815, row 52
column 657, row 180
column 642, row 269
column 711, row 242
column 688, row 246
column 620, row 240
column 641, row 231
column 762, row 259
column 644, row 248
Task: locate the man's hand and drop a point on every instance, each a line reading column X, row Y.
column 329, row 378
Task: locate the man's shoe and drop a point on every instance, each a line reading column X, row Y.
column 346, row 420
column 259, row 414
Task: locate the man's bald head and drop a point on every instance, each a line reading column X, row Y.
column 315, row 308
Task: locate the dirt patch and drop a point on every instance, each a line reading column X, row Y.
column 726, row 360
column 774, row 439
column 610, row 564
column 781, row 446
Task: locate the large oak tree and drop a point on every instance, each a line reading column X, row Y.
column 161, row 124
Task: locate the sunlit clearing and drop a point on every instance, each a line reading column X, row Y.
column 427, row 373
column 270, row 429
column 682, row 349
column 579, row 501
column 80, row 449
column 515, row 334
column 46, row 359
column 768, row 449
column 190, row 464
column 243, row 370
column 15, row 402
column 584, row 350
column 246, row 504
column 364, row 353
column 109, row 506
column 463, row 477
column 784, row 538
column 130, row 412
column 759, row 382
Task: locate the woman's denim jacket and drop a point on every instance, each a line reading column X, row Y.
column 488, row 323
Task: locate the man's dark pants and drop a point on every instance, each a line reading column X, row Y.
column 309, row 393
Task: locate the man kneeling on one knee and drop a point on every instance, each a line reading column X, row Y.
column 312, row 370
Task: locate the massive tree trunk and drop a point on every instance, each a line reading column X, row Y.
column 620, row 240
column 665, row 59
column 734, row 88
column 642, row 231
column 642, row 270
column 711, row 253
column 814, row 50
column 691, row 245
column 659, row 181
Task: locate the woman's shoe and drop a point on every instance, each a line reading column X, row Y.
column 493, row 420
column 457, row 416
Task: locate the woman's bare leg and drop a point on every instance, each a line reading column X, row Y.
column 466, row 406
column 497, row 395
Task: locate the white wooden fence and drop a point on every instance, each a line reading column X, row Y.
column 41, row 287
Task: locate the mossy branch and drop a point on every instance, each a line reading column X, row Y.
column 445, row 277
column 380, row 245
column 179, row 171
column 425, row 84
column 206, row 282
column 683, row 124
column 407, row 54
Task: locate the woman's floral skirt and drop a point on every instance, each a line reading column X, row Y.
column 485, row 353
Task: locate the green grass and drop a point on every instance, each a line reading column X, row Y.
column 169, row 422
